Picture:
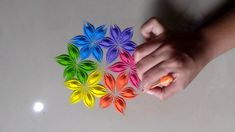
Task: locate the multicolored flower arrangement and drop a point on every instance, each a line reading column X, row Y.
column 83, row 76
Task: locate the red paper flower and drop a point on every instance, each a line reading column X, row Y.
column 117, row 92
column 127, row 64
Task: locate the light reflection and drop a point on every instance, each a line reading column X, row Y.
column 38, row 106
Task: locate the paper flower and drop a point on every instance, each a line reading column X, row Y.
column 127, row 65
column 73, row 67
column 83, row 76
column 87, row 91
column 90, row 41
column 117, row 92
column 118, row 41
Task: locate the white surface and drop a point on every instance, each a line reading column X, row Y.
column 33, row 32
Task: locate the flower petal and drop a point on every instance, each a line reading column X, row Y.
column 98, row 90
column 118, row 67
column 89, row 100
column 120, row 104
column 73, row 84
column 109, row 81
column 107, row 42
column 89, row 30
column 126, row 57
column 121, row 81
column 64, row 60
column 129, row 46
column 85, row 52
column 73, row 52
column 115, row 32
column 128, row 93
column 127, row 34
column 76, row 96
column 100, row 32
column 69, row 72
column 82, row 76
column 94, row 78
column 79, row 40
column 134, row 79
column 112, row 54
column 97, row 53
column 106, row 101
column 88, row 65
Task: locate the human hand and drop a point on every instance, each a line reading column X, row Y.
column 166, row 53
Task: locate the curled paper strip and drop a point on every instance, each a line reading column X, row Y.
column 83, row 76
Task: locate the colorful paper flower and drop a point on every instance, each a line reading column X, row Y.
column 87, row 91
column 127, row 65
column 90, row 41
column 117, row 92
column 88, row 87
column 118, row 41
column 73, row 67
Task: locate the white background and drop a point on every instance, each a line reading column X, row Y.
column 33, row 32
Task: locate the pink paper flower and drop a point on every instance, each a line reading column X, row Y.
column 127, row 65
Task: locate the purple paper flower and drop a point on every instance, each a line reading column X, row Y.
column 117, row 42
column 90, row 41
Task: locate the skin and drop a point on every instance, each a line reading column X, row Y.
column 182, row 55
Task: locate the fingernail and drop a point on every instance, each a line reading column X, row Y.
column 149, row 92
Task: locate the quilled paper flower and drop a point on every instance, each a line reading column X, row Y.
column 83, row 76
column 118, row 41
column 73, row 67
column 126, row 65
column 86, row 91
column 90, row 41
column 117, row 92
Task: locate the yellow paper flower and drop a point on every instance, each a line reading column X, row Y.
column 87, row 91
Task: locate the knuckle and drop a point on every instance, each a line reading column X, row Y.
column 139, row 65
column 175, row 62
column 137, row 53
column 142, row 30
column 153, row 20
column 152, row 56
column 168, row 47
column 146, row 76
column 163, row 68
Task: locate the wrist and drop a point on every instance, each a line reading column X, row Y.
column 204, row 52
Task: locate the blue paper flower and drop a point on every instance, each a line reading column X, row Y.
column 117, row 42
column 90, row 41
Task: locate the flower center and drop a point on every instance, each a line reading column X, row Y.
column 85, row 87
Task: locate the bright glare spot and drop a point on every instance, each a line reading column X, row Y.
column 38, row 107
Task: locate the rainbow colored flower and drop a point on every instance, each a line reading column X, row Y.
column 84, row 76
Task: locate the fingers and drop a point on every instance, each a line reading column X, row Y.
column 152, row 75
column 157, row 91
column 151, row 60
column 146, row 48
column 152, row 26
column 165, row 92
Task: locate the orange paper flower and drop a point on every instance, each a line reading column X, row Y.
column 117, row 92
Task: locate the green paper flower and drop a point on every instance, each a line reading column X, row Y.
column 74, row 68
